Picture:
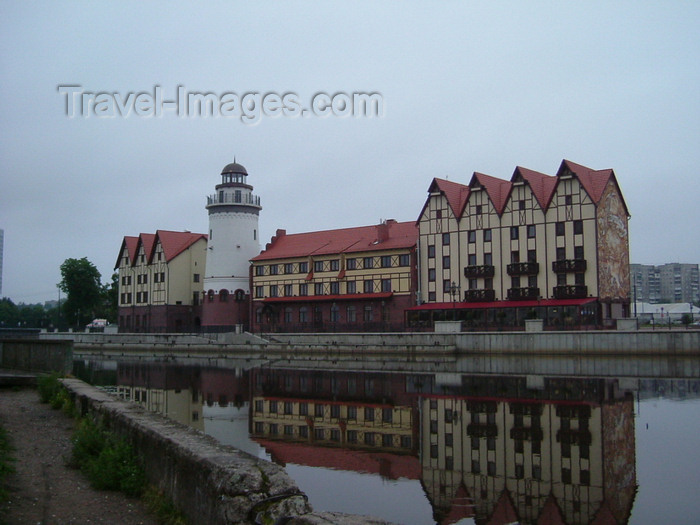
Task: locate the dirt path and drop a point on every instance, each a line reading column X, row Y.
column 44, row 491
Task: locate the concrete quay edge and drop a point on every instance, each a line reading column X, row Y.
column 209, row 482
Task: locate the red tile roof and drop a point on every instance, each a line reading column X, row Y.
column 542, row 185
column 457, row 194
column 129, row 244
column 497, row 189
column 391, row 466
column 504, row 511
column 147, row 241
column 461, row 506
column 593, row 181
column 173, row 243
column 346, row 240
column 551, row 513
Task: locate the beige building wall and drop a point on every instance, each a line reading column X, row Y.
column 349, row 424
column 487, row 447
column 332, row 268
column 183, row 406
column 572, row 232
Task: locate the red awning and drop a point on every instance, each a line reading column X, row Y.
column 338, row 297
column 504, row 304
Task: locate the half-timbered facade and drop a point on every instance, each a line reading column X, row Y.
column 354, row 279
column 494, row 252
column 161, row 281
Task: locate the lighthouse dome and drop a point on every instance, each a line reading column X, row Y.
column 234, row 167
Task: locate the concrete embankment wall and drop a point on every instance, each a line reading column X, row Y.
column 210, row 483
column 594, row 342
column 36, row 355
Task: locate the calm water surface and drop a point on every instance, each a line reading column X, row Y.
column 571, row 441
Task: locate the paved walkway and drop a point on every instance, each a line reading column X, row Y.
column 44, row 491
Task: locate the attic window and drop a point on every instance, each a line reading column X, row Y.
column 438, row 214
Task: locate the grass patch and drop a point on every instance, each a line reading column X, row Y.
column 108, row 461
column 49, row 386
column 52, row 391
column 6, row 462
column 162, row 508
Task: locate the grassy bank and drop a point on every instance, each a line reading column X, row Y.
column 108, row 461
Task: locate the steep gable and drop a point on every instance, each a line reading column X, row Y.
column 498, row 190
column 174, row 243
column 542, row 185
column 146, row 242
column 129, row 245
column 594, row 182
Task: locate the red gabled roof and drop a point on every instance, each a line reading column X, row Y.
column 129, row 244
column 346, row 240
column 551, row 513
column 391, row 466
column 147, row 240
column 593, row 181
column 498, row 189
column 542, row 185
column 174, row 243
column 456, row 194
column 461, row 506
column 504, row 511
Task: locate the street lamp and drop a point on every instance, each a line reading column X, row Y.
column 454, row 292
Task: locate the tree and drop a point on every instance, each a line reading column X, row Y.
column 110, row 294
column 80, row 281
column 9, row 313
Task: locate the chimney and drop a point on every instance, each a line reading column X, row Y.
column 383, row 229
column 279, row 233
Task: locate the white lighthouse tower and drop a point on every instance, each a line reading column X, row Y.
column 233, row 241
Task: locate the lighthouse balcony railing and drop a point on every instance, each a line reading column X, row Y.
column 232, row 198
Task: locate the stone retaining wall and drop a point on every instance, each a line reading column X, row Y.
column 212, row 484
column 34, row 355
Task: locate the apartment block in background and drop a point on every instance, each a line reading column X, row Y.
column 666, row 283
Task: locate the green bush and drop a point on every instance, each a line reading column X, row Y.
column 109, row 462
column 48, row 387
column 162, row 508
column 6, row 467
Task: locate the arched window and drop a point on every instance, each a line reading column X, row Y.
column 210, row 295
column 223, row 296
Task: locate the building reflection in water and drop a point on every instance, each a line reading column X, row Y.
column 181, row 392
column 500, row 451
column 497, row 449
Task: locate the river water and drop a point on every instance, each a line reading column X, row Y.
column 479, row 440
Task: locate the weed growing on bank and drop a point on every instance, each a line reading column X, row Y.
column 162, row 508
column 108, row 461
column 6, row 462
column 49, row 387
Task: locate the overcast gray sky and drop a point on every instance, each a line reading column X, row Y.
column 465, row 86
